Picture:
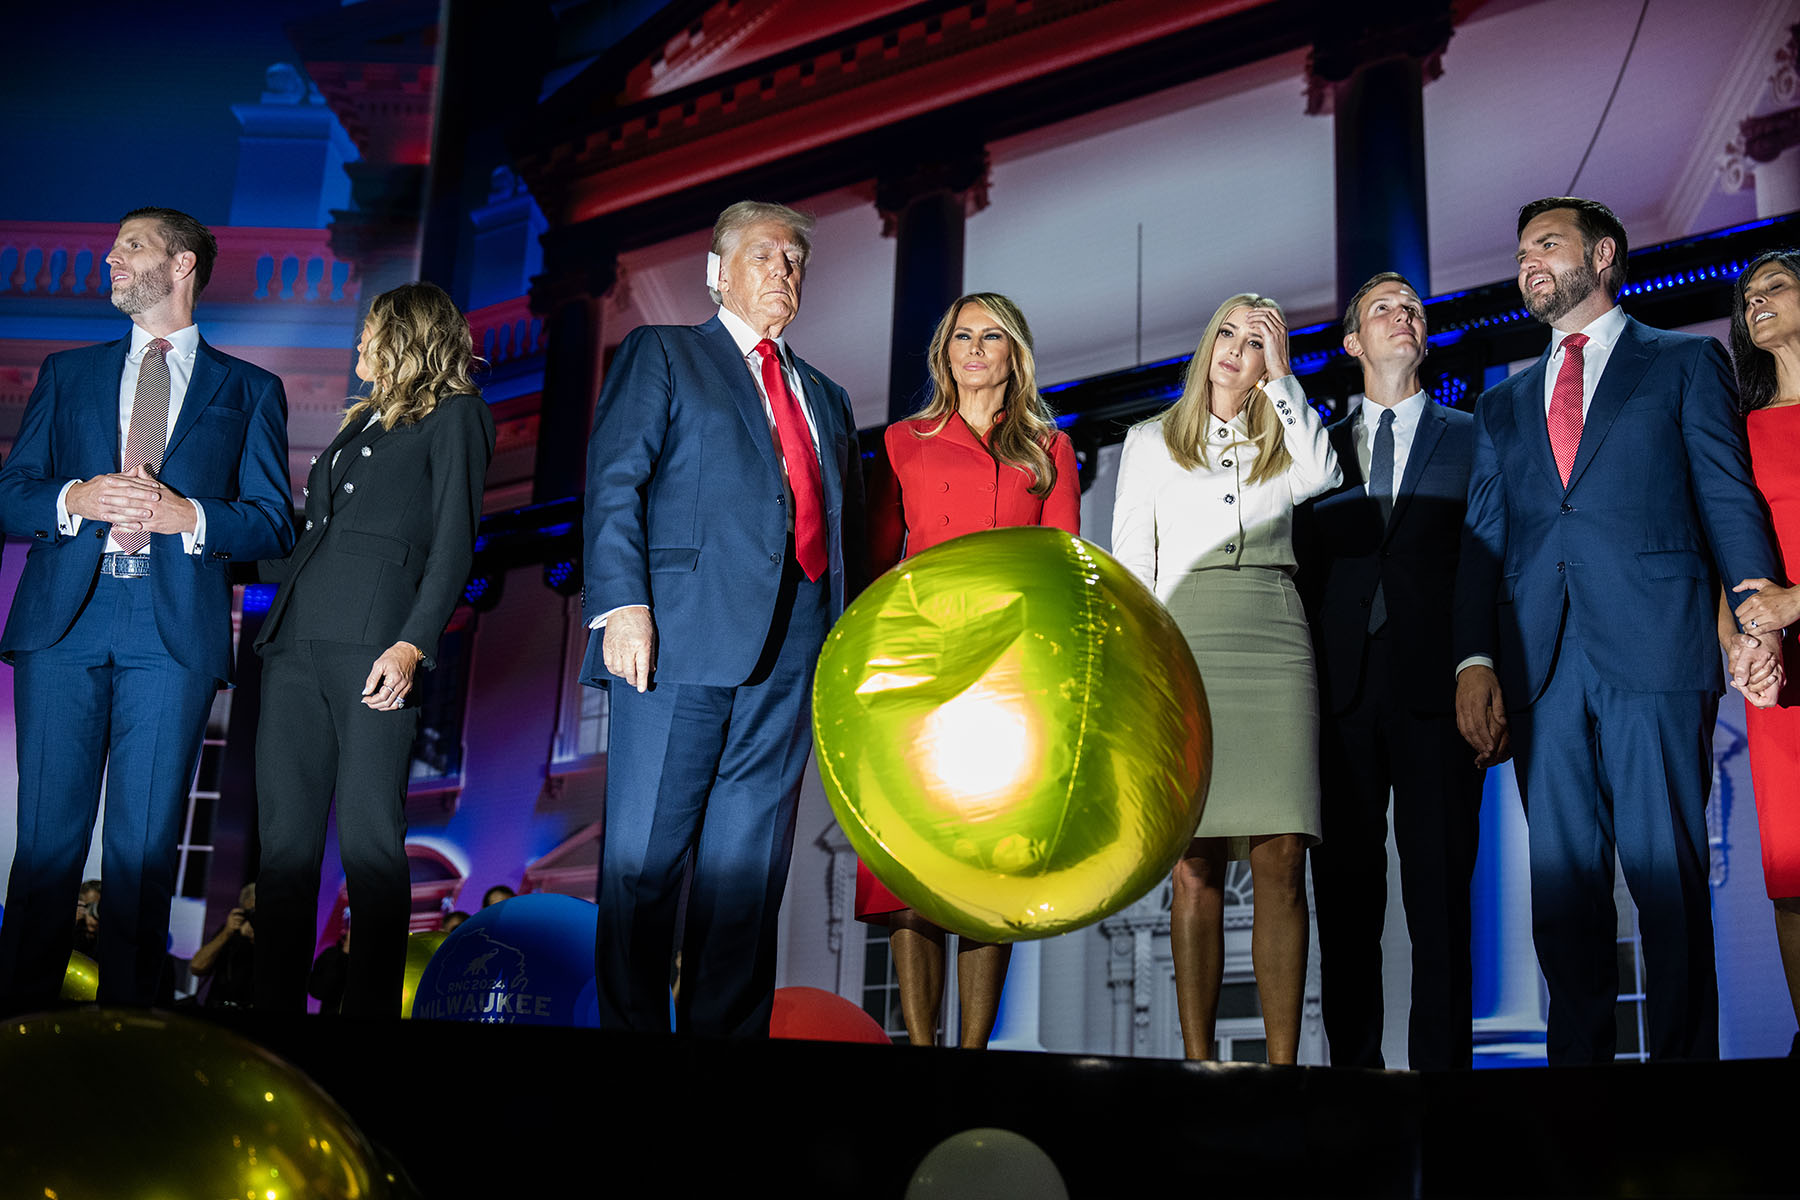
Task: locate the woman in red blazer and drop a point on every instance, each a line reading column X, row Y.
column 984, row 452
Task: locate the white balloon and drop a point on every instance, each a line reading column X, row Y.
column 987, row 1164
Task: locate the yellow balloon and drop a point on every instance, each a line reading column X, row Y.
column 81, row 980
column 181, row 1107
column 420, row 947
column 1012, row 733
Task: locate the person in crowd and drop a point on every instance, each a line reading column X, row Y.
column 87, row 918
column 496, row 894
column 1765, row 346
column 1204, row 516
column 983, row 452
column 330, row 974
column 723, row 534
column 1610, row 480
column 451, row 920
column 391, row 512
column 143, row 468
column 228, row 958
column 1378, row 560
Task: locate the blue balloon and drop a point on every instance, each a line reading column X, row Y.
column 528, row 960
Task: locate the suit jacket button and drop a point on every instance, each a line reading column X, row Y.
column 944, row 486
column 1231, row 547
column 306, row 491
column 1568, row 508
column 309, row 523
column 1224, row 462
column 367, row 452
column 1559, row 567
column 1230, row 499
column 314, row 462
column 348, row 488
column 988, row 521
column 944, row 520
column 774, row 558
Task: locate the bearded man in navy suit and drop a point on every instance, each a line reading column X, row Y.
column 143, row 468
column 1610, row 490
column 723, row 535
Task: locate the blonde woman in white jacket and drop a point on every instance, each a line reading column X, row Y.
column 1204, row 516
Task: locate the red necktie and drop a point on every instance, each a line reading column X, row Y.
column 148, row 434
column 1565, row 406
column 802, row 464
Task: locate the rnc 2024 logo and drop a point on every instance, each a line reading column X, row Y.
column 484, row 980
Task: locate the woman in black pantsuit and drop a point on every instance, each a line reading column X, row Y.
column 380, row 563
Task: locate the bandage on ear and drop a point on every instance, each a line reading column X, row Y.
column 712, row 270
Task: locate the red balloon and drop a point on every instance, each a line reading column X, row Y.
column 816, row 1015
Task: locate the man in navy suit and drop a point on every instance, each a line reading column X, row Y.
column 1378, row 564
column 1611, row 488
column 143, row 468
column 723, row 535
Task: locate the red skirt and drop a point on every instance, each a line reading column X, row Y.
column 874, row 903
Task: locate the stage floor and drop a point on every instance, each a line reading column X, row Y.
column 511, row 1111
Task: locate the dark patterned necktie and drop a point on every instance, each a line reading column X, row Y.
column 1381, row 490
column 148, row 434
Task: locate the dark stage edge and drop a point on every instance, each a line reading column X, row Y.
column 483, row 1111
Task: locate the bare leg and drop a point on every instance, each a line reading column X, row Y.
column 1278, row 938
column 1197, row 942
column 980, row 974
column 1787, row 937
column 918, row 949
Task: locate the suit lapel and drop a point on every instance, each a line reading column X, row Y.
column 1529, row 420
column 1343, row 442
column 1425, row 440
column 1625, row 368
column 108, row 387
column 722, row 352
column 208, row 374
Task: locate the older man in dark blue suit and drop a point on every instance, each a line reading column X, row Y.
column 723, row 535
column 143, row 468
column 1610, row 485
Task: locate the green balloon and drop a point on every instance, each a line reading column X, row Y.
column 420, row 947
column 1012, row 733
column 81, row 980
column 182, row 1108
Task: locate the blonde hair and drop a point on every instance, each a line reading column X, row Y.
column 1023, row 437
column 729, row 229
column 1184, row 422
column 419, row 348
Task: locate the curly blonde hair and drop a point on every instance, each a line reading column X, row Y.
column 417, row 345
column 1184, row 423
column 1023, row 438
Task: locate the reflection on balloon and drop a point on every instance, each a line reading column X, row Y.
column 816, row 1015
column 81, row 979
column 528, row 961
column 987, row 1164
column 1012, row 733
column 420, row 947
column 133, row 1103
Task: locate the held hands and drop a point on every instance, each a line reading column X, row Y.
column 1770, row 606
column 391, row 678
column 132, row 501
column 628, row 647
column 1266, row 325
column 1481, row 715
column 1755, row 664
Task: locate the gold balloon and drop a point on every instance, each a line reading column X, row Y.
column 420, row 947
column 81, row 979
column 1012, row 733
column 131, row 1103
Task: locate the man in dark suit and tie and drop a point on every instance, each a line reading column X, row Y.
column 1378, row 563
column 1611, row 487
column 143, row 468
column 723, row 535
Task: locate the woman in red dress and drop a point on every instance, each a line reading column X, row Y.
column 1765, row 344
column 984, row 452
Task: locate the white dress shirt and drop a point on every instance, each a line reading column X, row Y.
column 1407, row 415
column 184, row 344
column 1168, row 521
column 747, row 340
column 1603, row 334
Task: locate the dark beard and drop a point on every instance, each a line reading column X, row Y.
column 146, row 291
column 1566, row 291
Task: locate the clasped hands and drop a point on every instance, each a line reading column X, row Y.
column 1755, row 654
column 133, row 501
